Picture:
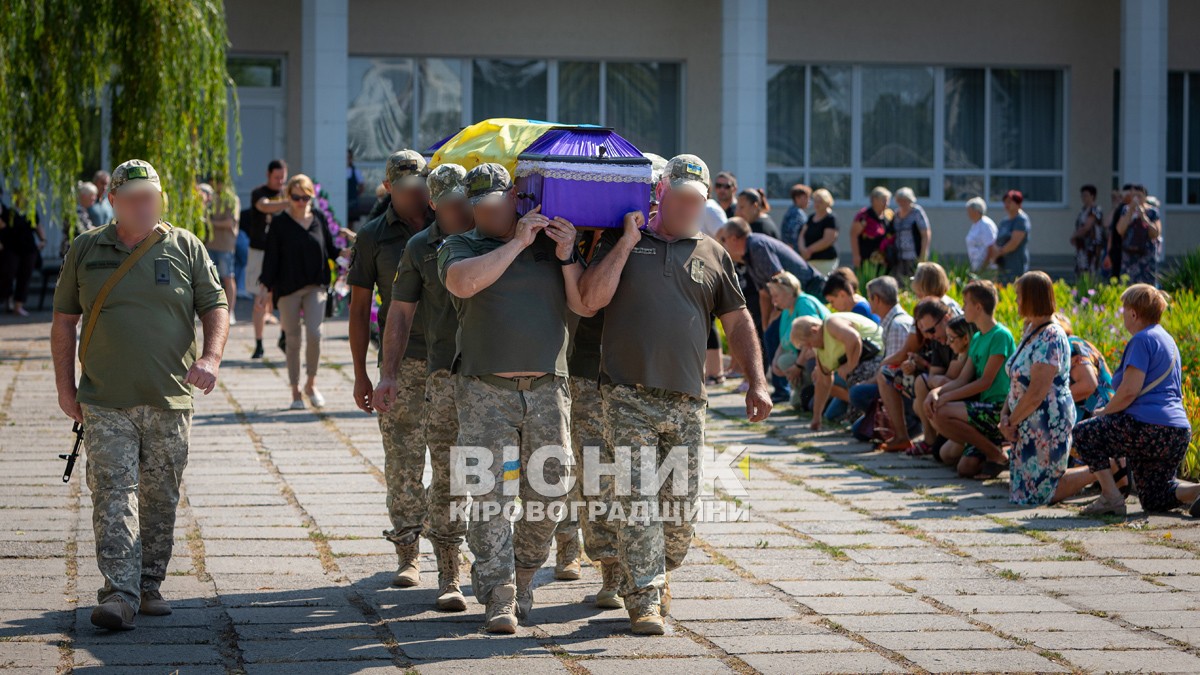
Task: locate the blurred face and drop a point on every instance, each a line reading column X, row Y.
column 973, row 215
column 680, row 212
column 903, row 204
column 496, row 217
column 408, row 200
column 276, row 179
column 101, row 183
column 879, row 204
column 454, row 216
column 802, row 201
column 734, row 245
column 747, row 210
column 841, row 301
column 86, row 199
column 1010, row 205
column 1086, row 197
column 137, row 209
column 878, row 305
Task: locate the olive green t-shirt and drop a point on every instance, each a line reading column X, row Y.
column 519, row 323
column 656, row 326
column 145, row 338
column 377, row 250
column 417, row 281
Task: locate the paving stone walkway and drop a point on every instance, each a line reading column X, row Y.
column 852, row 561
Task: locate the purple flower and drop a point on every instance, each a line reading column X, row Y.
column 1091, row 291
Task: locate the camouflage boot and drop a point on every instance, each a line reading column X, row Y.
column 525, row 591
column 645, row 616
column 450, row 597
column 409, row 572
column 500, row 610
column 609, row 597
column 566, row 566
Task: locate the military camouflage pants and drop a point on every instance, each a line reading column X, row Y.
column 135, row 459
column 654, row 530
column 492, row 418
column 403, row 433
column 587, row 430
column 441, row 432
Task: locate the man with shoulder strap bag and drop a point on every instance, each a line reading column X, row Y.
column 135, row 276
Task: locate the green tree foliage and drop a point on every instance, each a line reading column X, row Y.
column 161, row 61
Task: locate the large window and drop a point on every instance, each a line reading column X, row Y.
column 409, row 102
column 948, row 133
column 1183, row 138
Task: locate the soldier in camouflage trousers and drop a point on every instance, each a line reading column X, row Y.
column 418, row 294
column 514, row 283
column 658, row 287
column 134, row 395
column 378, row 248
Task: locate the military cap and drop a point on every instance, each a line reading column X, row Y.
column 687, row 171
column 136, row 174
column 486, row 180
column 406, row 168
column 446, row 182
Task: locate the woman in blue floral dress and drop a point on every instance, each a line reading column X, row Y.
column 1040, row 413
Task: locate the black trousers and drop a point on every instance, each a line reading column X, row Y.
column 16, row 267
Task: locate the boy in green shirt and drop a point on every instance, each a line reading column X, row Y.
column 967, row 410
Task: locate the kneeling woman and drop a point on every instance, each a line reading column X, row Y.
column 846, row 344
column 1145, row 421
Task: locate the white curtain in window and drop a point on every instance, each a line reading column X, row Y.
column 379, row 120
column 785, row 116
column 897, row 117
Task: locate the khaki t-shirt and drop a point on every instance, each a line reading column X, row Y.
column 417, row 281
column 656, row 327
column 377, row 251
column 145, row 338
column 519, row 323
column 224, row 205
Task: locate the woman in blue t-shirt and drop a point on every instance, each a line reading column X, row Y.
column 1145, row 421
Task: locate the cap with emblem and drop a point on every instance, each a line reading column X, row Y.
column 446, row 182
column 136, row 174
column 687, row 171
column 405, row 168
column 487, row 180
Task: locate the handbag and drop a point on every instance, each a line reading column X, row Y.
column 875, row 425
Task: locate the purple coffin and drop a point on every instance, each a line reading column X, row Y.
column 588, row 175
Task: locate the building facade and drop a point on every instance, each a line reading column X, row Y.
column 952, row 99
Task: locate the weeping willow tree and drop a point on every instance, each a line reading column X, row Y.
column 161, row 63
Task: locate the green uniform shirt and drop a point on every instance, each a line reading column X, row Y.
column 417, row 281
column 377, row 251
column 656, row 327
column 996, row 342
column 519, row 323
column 145, row 339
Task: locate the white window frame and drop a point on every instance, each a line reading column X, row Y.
column 1186, row 172
column 937, row 174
